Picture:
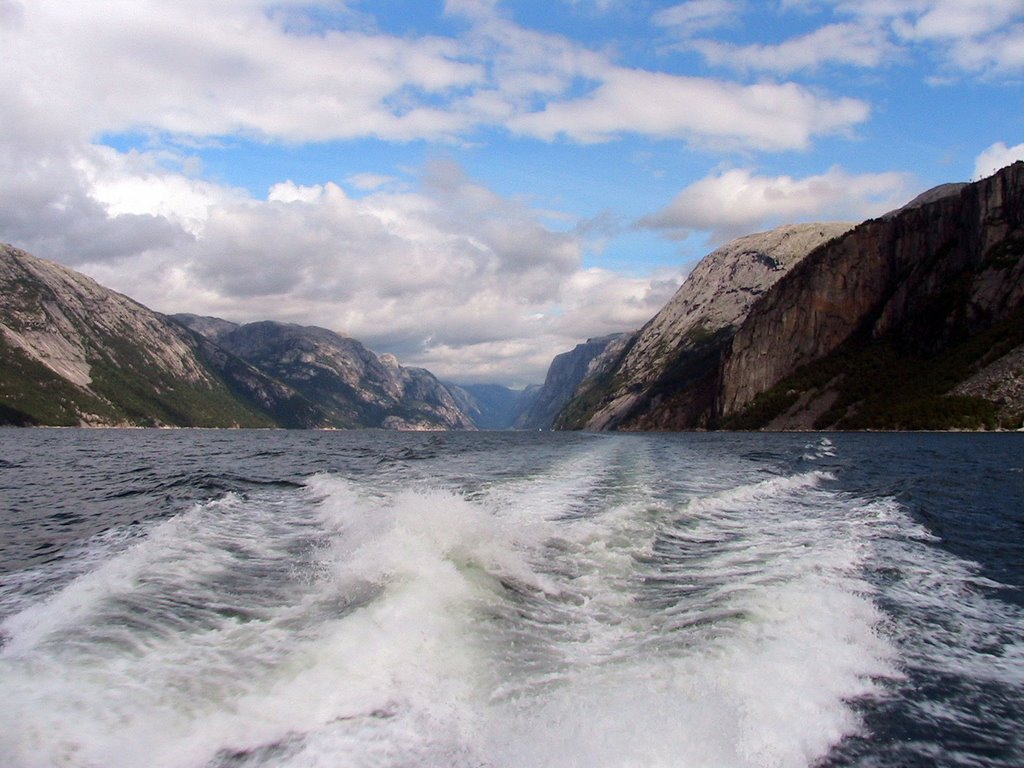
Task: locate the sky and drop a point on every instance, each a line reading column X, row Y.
column 476, row 185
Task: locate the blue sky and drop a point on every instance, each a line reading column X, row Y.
column 476, row 185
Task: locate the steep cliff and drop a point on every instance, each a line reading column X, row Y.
column 665, row 378
column 351, row 384
column 74, row 352
column 878, row 328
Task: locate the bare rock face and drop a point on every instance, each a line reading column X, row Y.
column 60, row 318
column 1001, row 382
column 666, row 376
column 78, row 353
column 355, row 387
column 927, row 277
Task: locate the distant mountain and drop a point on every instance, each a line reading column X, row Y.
column 74, row 352
column 665, row 376
column 351, row 384
column 492, row 406
column 567, row 372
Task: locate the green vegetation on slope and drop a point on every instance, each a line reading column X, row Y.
column 131, row 391
column 33, row 394
column 149, row 396
column 882, row 384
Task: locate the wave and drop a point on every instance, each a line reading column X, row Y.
column 596, row 611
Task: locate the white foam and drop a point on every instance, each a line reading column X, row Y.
column 551, row 621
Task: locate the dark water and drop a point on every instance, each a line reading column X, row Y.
column 219, row 598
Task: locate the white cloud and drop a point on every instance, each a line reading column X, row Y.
column 996, row 157
column 697, row 15
column 47, row 206
column 207, row 69
column 976, row 35
column 973, row 36
column 766, row 116
column 140, row 183
column 861, row 45
column 738, row 202
column 449, row 275
column 956, row 19
column 290, row 192
column 74, row 71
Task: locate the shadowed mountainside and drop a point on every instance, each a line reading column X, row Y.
column 914, row 320
column 665, row 375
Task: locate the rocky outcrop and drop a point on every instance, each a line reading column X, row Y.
column 76, row 353
column 1001, row 382
column 351, row 384
column 666, row 377
column 924, row 281
column 566, row 373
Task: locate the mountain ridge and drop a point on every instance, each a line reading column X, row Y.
column 78, row 354
column 911, row 320
column 356, row 387
column 66, row 342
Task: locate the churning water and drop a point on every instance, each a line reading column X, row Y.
column 189, row 599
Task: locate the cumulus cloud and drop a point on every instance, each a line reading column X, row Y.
column 196, row 69
column 207, row 69
column 766, row 116
column 47, row 206
column 449, row 275
column 862, row 45
column 996, row 157
column 739, row 201
column 972, row 36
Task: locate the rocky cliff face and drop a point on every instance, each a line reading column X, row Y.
column 354, row 386
column 75, row 353
column 565, row 374
column 666, row 376
column 919, row 284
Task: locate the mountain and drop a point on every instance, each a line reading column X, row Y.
column 354, row 386
column 665, row 375
column 566, row 373
column 75, row 353
column 914, row 320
